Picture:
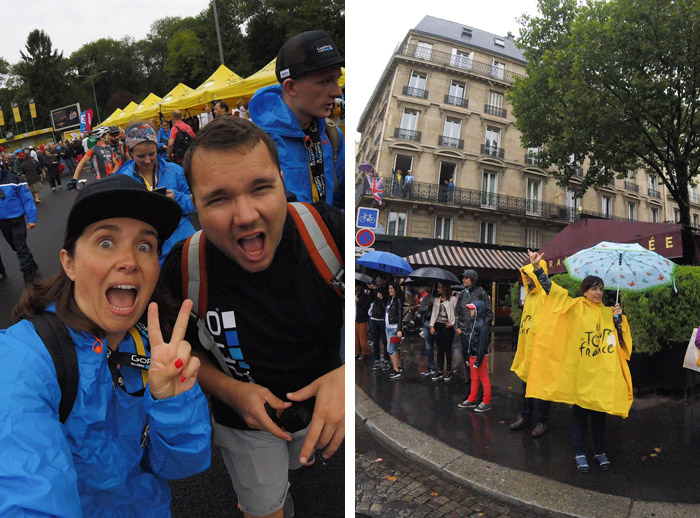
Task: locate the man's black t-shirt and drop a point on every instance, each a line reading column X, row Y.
column 282, row 325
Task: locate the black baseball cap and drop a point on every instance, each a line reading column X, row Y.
column 305, row 53
column 119, row 196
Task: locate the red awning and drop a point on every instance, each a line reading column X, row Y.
column 662, row 238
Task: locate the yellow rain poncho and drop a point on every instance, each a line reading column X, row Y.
column 528, row 324
column 576, row 358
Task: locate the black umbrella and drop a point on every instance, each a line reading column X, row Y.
column 361, row 277
column 431, row 274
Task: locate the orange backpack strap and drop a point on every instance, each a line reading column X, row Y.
column 320, row 244
column 194, row 272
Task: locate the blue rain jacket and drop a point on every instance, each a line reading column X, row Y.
column 94, row 464
column 170, row 176
column 17, row 199
column 268, row 111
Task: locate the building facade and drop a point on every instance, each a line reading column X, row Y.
column 440, row 111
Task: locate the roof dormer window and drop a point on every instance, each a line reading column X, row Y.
column 499, row 42
column 466, row 32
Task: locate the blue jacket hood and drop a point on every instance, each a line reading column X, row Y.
column 269, row 111
column 480, row 308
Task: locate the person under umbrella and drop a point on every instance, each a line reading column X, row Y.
column 393, row 325
column 442, row 326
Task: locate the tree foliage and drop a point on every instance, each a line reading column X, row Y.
column 616, row 84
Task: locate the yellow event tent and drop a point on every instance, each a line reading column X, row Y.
column 121, row 116
column 109, row 119
column 204, row 93
column 141, row 111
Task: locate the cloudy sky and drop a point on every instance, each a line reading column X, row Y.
column 73, row 24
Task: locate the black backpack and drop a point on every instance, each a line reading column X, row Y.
column 60, row 345
column 182, row 142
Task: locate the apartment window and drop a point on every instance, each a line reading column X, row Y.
column 424, row 50
column 403, row 162
column 498, row 69
column 676, row 215
column 696, row 220
column 499, row 42
column 655, row 215
column 493, row 141
column 397, row 224
column 607, row 208
column 443, row 227
column 451, row 132
column 446, row 181
column 489, row 185
column 466, row 32
column 495, row 104
column 533, row 197
column 572, row 204
column 532, row 238
column 631, row 211
column 409, row 119
column 462, row 59
column 456, row 94
column 487, row 232
column 653, row 182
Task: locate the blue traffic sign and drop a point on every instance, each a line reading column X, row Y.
column 364, row 237
column 367, row 217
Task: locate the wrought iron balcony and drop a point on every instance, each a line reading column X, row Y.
column 448, row 59
column 493, row 151
column 415, row 92
column 456, row 101
column 654, row 193
column 495, row 110
column 469, row 198
column 450, row 142
column 407, row 134
column 631, row 186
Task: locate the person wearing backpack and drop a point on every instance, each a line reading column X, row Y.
column 265, row 354
column 181, row 136
column 100, row 404
column 295, row 114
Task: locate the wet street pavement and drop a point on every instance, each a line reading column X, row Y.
column 654, row 451
column 389, row 486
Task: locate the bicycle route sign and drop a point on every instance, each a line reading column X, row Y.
column 364, row 237
column 367, row 217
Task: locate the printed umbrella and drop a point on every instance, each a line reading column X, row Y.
column 622, row 266
column 385, row 262
column 431, row 274
column 365, row 167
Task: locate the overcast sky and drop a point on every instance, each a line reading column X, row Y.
column 376, row 27
column 74, row 23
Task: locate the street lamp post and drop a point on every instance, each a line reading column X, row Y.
column 92, row 81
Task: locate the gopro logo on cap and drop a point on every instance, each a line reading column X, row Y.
column 284, row 73
column 325, row 48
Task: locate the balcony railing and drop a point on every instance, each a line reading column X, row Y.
column 415, row 92
column 495, row 110
column 456, row 101
column 450, row 142
column 654, row 193
column 446, row 58
column 493, row 151
column 631, row 186
column 470, row 198
column 407, row 134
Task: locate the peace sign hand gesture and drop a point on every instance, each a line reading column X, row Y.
column 172, row 369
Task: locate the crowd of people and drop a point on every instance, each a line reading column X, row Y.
column 571, row 350
column 115, row 354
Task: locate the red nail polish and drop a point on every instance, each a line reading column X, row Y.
column 178, row 363
column 182, row 379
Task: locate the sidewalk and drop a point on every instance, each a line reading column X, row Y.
column 654, row 452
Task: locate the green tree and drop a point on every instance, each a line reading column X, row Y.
column 41, row 72
column 615, row 83
column 186, row 62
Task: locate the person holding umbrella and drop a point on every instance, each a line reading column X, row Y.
column 579, row 357
column 442, row 326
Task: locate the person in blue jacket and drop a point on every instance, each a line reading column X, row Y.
column 156, row 173
column 294, row 114
column 17, row 215
column 129, row 430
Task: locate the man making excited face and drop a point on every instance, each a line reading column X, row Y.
column 280, row 349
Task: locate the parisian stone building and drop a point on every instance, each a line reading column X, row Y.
column 440, row 111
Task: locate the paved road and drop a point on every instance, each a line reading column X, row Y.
column 389, row 486
column 209, row 494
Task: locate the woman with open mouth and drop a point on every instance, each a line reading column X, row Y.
column 99, row 400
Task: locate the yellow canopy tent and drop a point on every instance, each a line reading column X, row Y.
column 108, row 120
column 260, row 79
column 145, row 106
column 122, row 117
column 204, row 93
column 174, row 95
